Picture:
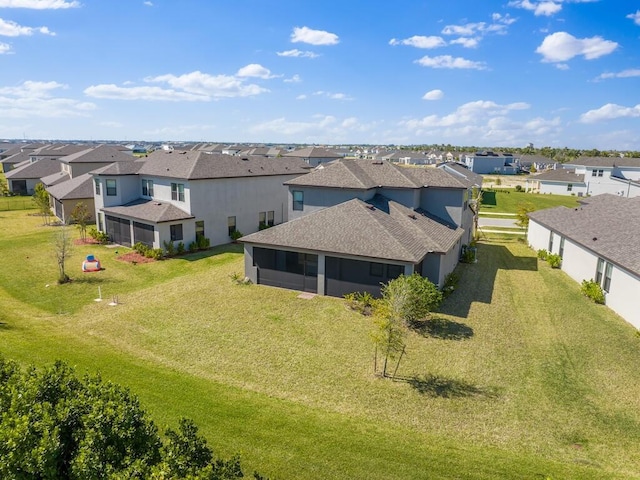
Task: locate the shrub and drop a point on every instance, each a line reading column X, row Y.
column 155, row 253
column 542, row 254
column 593, row 290
column 554, row 260
column 98, row 236
column 239, row 279
column 450, row 284
column 180, row 249
column 518, row 188
column 362, row 302
column 170, row 248
column 141, row 248
column 203, row 242
column 468, row 254
column 235, row 235
column 193, row 247
column 262, row 226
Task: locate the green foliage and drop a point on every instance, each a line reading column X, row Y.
column 41, row 199
column 193, row 247
column 468, row 254
column 554, row 260
column 593, row 290
column 80, row 216
column 362, row 302
column 4, row 186
column 239, row 279
column 203, row 242
column 155, row 253
column 498, row 181
column 542, row 254
column 141, row 248
column 180, row 248
column 263, row 226
column 388, row 336
column 56, row 425
column 533, row 168
column 450, row 284
column 518, row 188
column 169, row 248
column 522, row 214
column 62, row 250
column 235, row 235
column 411, row 297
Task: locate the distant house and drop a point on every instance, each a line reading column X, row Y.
column 354, row 224
column 599, row 241
column 176, row 196
column 314, row 156
column 25, row 176
column 560, row 181
column 616, row 175
column 16, row 154
column 491, row 162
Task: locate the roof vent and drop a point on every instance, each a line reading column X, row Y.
column 371, row 207
column 413, row 216
column 245, row 159
column 595, row 238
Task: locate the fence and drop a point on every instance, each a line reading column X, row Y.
column 16, row 203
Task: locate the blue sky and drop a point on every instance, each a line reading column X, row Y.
column 465, row 72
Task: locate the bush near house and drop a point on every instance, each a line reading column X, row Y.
column 593, row 290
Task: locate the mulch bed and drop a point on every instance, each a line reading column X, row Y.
column 134, row 257
column 86, row 241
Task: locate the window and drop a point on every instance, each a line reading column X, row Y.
column 147, row 188
column 199, row 228
column 600, row 172
column 550, row 242
column 262, row 219
column 298, row 200
column 177, row 192
column 231, row 224
column 97, row 182
column 176, row 232
column 599, row 271
column 569, row 187
column 376, row 269
column 271, row 218
column 607, row 277
column 561, row 249
column 394, row 271
column 100, row 223
column 111, row 188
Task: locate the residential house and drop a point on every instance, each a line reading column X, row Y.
column 354, row 224
column 600, row 241
column 492, row 163
column 175, row 196
column 314, row 156
column 559, row 181
column 16, row 154
column 615, row 175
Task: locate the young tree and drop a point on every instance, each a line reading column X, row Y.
column 4, row 188
column 411, row 297
column 80, row 216
column 388, row 336
column 62, row 250
column 41, row 199
column 522, row 214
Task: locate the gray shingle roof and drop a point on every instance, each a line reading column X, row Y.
column 55, row 178
column 120, row 168
column 99, row 154
column 606, row 162
column 313, row 152
column 606, row 224
column 150, row 211
column 34, row 170
column 559, row 175
column 74, row 189
column 16, row 158
column 195, row 165
column 366, row 174
column 472, row 178
column 380, row 229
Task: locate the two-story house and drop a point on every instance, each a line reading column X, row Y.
column 354, row 224
column 175, row 196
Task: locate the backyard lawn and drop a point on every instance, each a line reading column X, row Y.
column 507, row 201
column 517, row 376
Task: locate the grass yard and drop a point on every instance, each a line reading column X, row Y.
column 518, row 375
column 507, row 201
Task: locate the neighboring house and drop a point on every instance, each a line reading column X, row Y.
column 11, row 157
column 560, row 181
column 73, row 184
column 600, row 241
column 25, row 176
column 491, row 162
column 314, row 156
column 407, row 158
column 355, row 224
column 616, row 175
column 175, row 196
column 461, row 170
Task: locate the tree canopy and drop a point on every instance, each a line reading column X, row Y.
column 54, row 425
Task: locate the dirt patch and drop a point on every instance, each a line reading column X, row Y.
column 86, row 241
column 134, row 257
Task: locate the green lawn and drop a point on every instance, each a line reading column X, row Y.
column 518, row 376
column 506, row 201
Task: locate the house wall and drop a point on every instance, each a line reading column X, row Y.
column 445, row 203
column 408, row 197
column 77, row 169
column 69, row 205
column 162, row 233
column 215, row 200
column 127, row 190
column 579, row 263
column 484, row 165
column 623, row 295
column 538, row 236
column 316, row 199
column 162, row 191
column 559, row 188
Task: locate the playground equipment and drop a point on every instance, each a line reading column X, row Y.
column 91, row 264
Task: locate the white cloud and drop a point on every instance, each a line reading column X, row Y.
column 468, row 113
column 297, row 53
column 610, row 111
column 419, row 41
column 255, row 70
column 447, row 61
column 35, row 99
column 433, row 95
column 5, row 48
column 545, row 8
column 295, row 79
column 333, row 96
column 193, row 87
column 38, row 4
column 562, row 66
column 148, row 4
column 466, row 42
column 301, row 97
column 320, row 129
column 634, row 72
column 313, row 37
column 9, row 28
column 635, row 17
column 562, row 46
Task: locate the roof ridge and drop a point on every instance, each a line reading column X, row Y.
column 370, row 210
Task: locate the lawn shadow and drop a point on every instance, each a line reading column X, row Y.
column 89, row 279
column 5, row 325
column 212, row 252
column 477, row 280
column 441, row 387
column 488, row 198
column 442, row 328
